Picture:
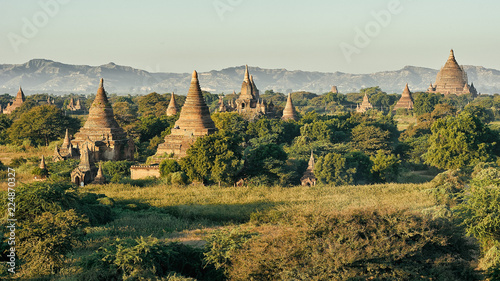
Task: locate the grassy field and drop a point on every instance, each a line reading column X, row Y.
column 187, row 213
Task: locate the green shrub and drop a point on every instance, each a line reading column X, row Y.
column 44, row 242
column 40, row 172
column 169, row 166
column 17, row 161
column 115, row 170
column 147, row 259
column 178, row 178
column 362, row 245
column 447, row 187
column 385, row 167
column 34, row 199
column 62, row 169
column 222, row 246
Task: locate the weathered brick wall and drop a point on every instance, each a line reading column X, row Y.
column 141, row 172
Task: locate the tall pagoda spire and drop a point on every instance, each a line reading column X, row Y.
column 246, row 87
column 67, row 141
column 20, row 95
column 101, row 112
column 255, row 91
column 406, row 101
column 42, row 163
column 172, row 106
column 289, row 112
column 195, row 115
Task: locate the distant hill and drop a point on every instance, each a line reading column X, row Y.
column 46, row 76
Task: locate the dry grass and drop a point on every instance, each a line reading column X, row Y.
column 399, row 196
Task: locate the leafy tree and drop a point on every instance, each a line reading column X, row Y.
column 125, row 113
column 116, row 170
column 273, row 131
column 333, row 169
column 265, row 162
column 169, row 166
column 385, row 167
column 371, row 138
column 42, row 125
column 484, row 114
column 425, row 102
column 147, row 105
column 480, row 212
column 457, row 142
column 443, row 110
column 25, row 107
column 382, row 99
column 150, row 126
column 5, row 123
column 48, row 238
column 230, row 122
column 201, row 159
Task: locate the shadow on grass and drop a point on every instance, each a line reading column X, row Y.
column 217, row 213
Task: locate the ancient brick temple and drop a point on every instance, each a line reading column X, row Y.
column 452, row 79
column 194, row 121
column 365, row 105
column 86, row 171
column 101, row 135
column 289, row 113
column 72, row 106
column 66, row 151
column 309, row 178
column 248, row 102
column 406, row 100
column 172, row 106
column 20, row 98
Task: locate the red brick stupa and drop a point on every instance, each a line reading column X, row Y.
column 194, row 122
column 101, row 134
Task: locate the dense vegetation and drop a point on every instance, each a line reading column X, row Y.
column 375, row 214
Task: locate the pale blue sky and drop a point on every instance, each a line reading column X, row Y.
column 182, row 35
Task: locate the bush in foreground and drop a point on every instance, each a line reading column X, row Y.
column 357, row 246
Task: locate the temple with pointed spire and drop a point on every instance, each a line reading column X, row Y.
column 101, row 134
column 72, row 106
column 194, row 121
column 289, row 113
column 249, row 102
column 172, row 106
column 452, row 79
column 365, row 105
column 20, row 99
column 86, row 171
column 406, row 101
column 309, row 178
column 99, row 178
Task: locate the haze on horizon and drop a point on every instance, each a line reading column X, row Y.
column 317, row 35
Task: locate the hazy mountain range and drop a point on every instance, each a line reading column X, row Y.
column 46, row 76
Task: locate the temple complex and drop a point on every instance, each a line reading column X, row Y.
column 20, row 98
column 249, row 102
column 66, row 151
column 101, row 135
column 172, row 106
column 406, row 100
column 194, row 121
column 86, row 171
column 72, row 106
column 334, row 90
column 289, row 112
column 452, row 79
column 365, row 105
column 309, row 178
